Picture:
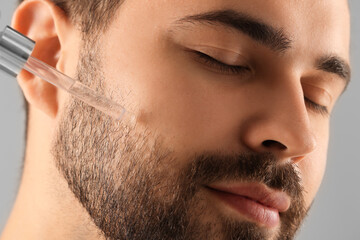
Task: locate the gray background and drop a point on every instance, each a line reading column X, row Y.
column 336, row 212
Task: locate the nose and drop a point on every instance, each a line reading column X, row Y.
column 280, row 124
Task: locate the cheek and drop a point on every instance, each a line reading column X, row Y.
column 313, row 167
column 160, row 94
column 170, row 94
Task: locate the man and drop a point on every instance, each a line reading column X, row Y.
column 231, row 101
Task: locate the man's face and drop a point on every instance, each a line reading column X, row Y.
column 232, row 102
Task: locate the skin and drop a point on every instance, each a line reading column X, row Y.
column 192, row 106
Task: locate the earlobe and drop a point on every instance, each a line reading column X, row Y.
column 40, row 20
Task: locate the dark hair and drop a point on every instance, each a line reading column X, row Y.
column 90, row 15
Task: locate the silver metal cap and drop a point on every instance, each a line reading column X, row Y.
column 15, row 50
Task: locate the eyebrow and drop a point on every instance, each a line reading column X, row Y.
column 336, row 65
column 272, row 37
column 261, row 32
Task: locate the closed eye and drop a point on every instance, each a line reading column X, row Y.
column 219, row 66
column 317, row 108
column 224, row 68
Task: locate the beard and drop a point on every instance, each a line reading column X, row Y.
column 133, row 186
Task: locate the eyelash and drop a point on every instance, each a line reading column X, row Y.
column 231, row 69
column 317, row 107
column 220, row 66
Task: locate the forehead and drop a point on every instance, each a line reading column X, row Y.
column 313, row 25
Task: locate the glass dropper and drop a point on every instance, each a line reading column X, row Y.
column 15, row 55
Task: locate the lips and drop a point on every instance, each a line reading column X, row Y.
column 253, row 201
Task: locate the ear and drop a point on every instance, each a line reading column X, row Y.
column 49, row 27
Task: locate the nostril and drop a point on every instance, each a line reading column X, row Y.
column 274, row 145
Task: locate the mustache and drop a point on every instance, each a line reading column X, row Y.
column 264, row 168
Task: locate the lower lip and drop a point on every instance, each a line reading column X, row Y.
column 250, row 209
